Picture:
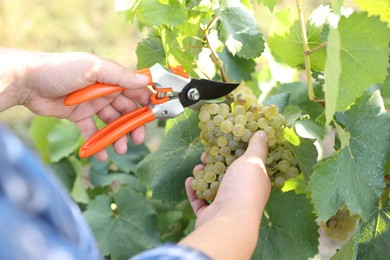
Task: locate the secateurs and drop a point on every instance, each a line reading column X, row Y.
column 174, row 90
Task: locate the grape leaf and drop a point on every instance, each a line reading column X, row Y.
column 269, row 3
column 373, row 237
column 306, row 154
column 376, row 7
column 238, row 69
column 288, row 224
column 127, row 7
column 149, row 52
column 239, row 30
column 64, row 139
column 39, row 130
column 346, row 252
column 358, row 57
column 126, row 231
column 166, row 169
column 65, row 172
column 156, row 13
column 285, row 41
column 355, row 174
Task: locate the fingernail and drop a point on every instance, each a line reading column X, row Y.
column 262, row 135
column 142, row 77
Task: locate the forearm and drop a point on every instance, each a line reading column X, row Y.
column 227, row 236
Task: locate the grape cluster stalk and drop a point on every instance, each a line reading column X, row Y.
column 225, row 133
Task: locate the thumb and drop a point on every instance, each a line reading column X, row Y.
column 257, row 148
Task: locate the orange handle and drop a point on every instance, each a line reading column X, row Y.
column 115, row 130
column 98, row 90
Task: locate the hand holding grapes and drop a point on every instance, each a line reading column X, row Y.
column 236, row 211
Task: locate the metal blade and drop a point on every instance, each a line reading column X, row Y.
column 203, row 89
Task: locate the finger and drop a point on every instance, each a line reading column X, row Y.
column 198, row 168
column 124, row 104
column 142, row 95
column 138, row 135
column 203, row 157
column 257, row 148
column 197, row 204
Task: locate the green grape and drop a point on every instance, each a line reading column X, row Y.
column 238, row 130
column 225, row 151
column 201, row 185
column 283, row 166
column 230, row 159
column 271, row 141
column 240, row 119
column 199, row 174
column 194, row 184
column 213, row 108
column 262, row 123
column 219, row 167
column 217, row 131
column 219, row 158
column 233, row 144
column 266, row 110
column 239, row 152
column 218, row 119
column 222, row 141
column 209, row 125
column 208, row 195
column 252, row 126
column 275, row 122
column 224, row 106
column 214, row 186
column 220, row 177
column 224, row 113
column 269, row 131
column 249, row 116
column 274, row 109
column 287, row 155
column 204, row 116
column 209, row 176
column 199, row 194
column 209, row 158
column 279, row 182
column 226, row 126
column 269, row 159
column 208, row 167
column 247, row 135
column 239, row 110
column 214, row 150
column 292, row 172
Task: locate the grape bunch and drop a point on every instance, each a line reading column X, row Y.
column 225, row 133
column 340, row 226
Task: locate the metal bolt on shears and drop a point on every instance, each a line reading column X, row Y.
column 174, row 90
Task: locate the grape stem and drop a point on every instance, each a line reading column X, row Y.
column 319, row 47
column 306, row 49
column 214, row 56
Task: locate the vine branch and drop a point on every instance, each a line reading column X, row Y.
column 306, row 50
column 214, row 55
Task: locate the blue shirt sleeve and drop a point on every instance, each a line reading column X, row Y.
column 171, row 252
column 38, row 218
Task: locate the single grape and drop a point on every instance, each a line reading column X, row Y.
column 204, row 116
column 238, row 130
column 262, row 123
column 219, row 167
column 252, row 126
column 201, row 185
column 222, row 141
column 213, row 108
column 208, row 195
column 279, row 182
column 239, row 110
column 226, row 126
column 209, row 176
column 240, row 119
column 225, row 151
column 247, row 135
column 194, row 184
column 214, row 150
column 283, row 166
column 199, row 174
column 218, row 119
column 230, row 159
column 214, row 186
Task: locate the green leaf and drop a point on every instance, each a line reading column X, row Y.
column 166, row 169
column 281, row 100
column 285, row 41
column 346, row 252
column 39, row 130
column 354, row 176
column 65, row 172
column 157, row 12
column 291, row 114
column 127, row 7
column 373, row 237
column 376, row 7
column 127, row 230
column 149, row 52
column 269, row 3
column 286, row 228
column 306, row 154
column 63, row 139
column 238, row 69
column 103, row 180
column 357, row 58
column 239, row 30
